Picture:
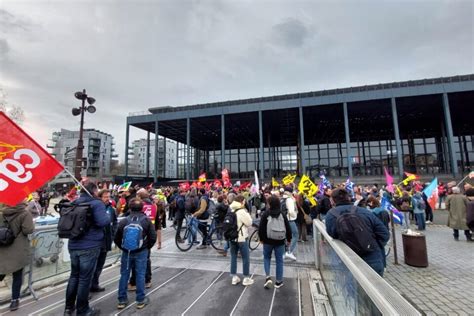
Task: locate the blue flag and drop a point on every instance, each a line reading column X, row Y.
column 350, row 186
column 397, row 215
column 325, row 181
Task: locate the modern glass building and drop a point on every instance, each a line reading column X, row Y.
column 420, row 126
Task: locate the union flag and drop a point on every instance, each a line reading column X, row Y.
column 24, row 165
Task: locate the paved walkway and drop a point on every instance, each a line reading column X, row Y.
column 445, row 287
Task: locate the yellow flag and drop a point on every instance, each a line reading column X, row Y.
column 275, row 183
column 289, row 179
column 411, row 177
column 307, row 187
column 399, row 192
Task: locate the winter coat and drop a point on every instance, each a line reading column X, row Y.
column 94, row 237
column 456, row 204
column 262, row 229
column 416, row 203
column 470, row 215
column 375, row 259
column 244, row 220
column 18, row 254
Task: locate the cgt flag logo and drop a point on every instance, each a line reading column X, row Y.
column 24, row 165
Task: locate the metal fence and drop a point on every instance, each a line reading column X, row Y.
column 353, row 287
column 50, row 258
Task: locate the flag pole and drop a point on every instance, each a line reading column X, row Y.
column 77, row 181
column 462, row 180
column 394, row 240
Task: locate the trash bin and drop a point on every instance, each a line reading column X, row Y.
column 414, row 249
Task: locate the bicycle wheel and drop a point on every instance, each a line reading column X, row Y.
column 254, row 240
column 188, row 240
column 217, row 239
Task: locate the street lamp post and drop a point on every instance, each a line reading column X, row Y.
column 80, row 143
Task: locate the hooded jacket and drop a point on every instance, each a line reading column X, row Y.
column 94, row 237
column 244, row 220
column 18, row 254
column 262, row 229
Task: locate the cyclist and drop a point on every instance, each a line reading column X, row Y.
column 202, row 215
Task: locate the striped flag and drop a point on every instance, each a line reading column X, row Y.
column 397, row 215
column 325, row 181
column 431, row 192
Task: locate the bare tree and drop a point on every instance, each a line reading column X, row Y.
column 14, row 112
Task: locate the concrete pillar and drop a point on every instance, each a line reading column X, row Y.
column 348, row 139
column 260, row 133
column 188, row 148
column 302, row 145
column 398, row 142
column 222, row 141
column 155, row 171
column 449, row 131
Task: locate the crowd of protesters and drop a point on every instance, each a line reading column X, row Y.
column 282, row 207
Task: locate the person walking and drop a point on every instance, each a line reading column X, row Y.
column 303, row 215
column 126, row 238
column 84, row 252
column 18, row 254
column 244, row 221
column 274, row 242
column 109, row 232
column 456, row 204
column 419, row 207
column 292, row 214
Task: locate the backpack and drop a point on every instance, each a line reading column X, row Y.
column 190, row 204
column 283, row 207
column 229, row 226
column 276, row 229
column 211, row 207
column 133, row 233
column 74, row 220
column 354, row 232
column 421, row 204
column 7, row 237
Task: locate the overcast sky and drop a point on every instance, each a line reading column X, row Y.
column 133, row 55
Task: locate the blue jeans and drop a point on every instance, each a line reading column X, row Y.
column 267, row 257
column 244, row 251
column 83, row 263
column 420, row 221
column 137, row 261
column 294, row 236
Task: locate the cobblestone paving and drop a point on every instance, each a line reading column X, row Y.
column 445, row 287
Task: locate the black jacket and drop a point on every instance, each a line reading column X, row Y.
column 262, row 229
column 149, row 233
column 324, row 205
column 221, row 210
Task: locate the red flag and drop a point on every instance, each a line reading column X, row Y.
column 226, row 178
column 184, row 186
column 245, row 185
column 202, row 177
column 207, row 186
column 217, row 183
column 24, row 165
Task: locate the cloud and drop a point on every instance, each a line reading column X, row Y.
column 133, row 55
column 4, row 48
column 290, row 33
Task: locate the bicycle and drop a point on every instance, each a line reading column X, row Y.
column 254, row 240
column 214, row 236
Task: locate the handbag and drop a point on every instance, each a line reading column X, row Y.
column 308, row 220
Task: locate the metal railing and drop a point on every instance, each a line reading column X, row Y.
column 50, row 258
column 353, row 287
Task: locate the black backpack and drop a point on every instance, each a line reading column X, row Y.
column 74, row 220
column 229, row 226
column 7, row 237
column 354, row 232
column 191, row 204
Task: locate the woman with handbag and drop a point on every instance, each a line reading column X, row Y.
column 303, row 219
